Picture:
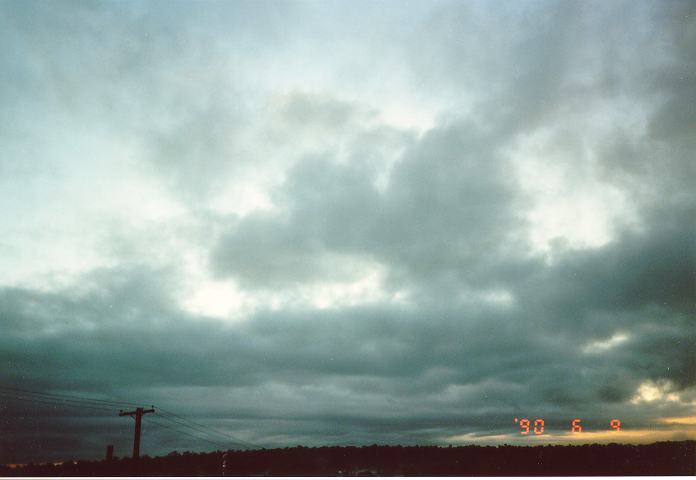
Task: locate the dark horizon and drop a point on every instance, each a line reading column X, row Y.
column 660, row 458
column 161, row 429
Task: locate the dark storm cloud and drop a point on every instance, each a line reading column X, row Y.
column 449, row 214
column 492, row 330
column 452, row 369
column 448, row 208
column 643, row 269
column 448, row 198
column 531, row 65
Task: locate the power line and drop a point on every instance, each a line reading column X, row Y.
column 77, row 401
column 33, row 397
column 76, row 404
column 220, row 433
column 63, row 403
column 227, row 437
column 70, row 397
column 203, row 430
column 182, row 432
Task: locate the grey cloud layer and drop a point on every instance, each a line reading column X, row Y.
column 448, row 204
column 441, row 213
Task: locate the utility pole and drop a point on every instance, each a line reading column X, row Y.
column 138, row 415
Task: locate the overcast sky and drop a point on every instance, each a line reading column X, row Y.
column 331, row 223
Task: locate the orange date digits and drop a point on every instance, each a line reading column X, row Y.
column 524, row 426
column 538, row 426
column 575, row 425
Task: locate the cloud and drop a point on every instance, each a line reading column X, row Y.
column 446, row 204
column 520, row 243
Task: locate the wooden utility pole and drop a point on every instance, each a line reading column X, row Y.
column 138, row 415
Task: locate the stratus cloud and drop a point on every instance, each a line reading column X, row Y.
column 386, row 280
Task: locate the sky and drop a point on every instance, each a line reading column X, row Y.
column 347, row 223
